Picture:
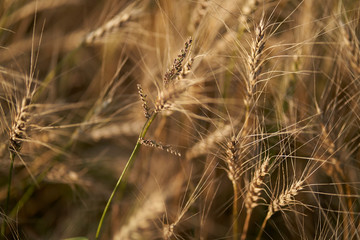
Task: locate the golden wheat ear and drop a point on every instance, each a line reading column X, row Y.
column 173, row 86
column 280, row 202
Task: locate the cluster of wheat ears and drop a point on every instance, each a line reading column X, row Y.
column 166, row 119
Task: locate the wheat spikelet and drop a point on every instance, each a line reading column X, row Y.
column 255, row 63
column 286, row 198
column 167, row 148
column 147, row 110
column 177, row 66
column 186, row 69
column 352, row 47
column 233, row 160
column 109, row 27
column 254, row 192
column 177, row 72
column 18, row 130
column 255, row 186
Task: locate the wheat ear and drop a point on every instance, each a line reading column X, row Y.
column 352, row 47
column 255, row 63
column 254, row 192
column 173, row 87
column 147, row 110
column 178, row 64
column 110, row 26
column 286, row 198
column 233, row 171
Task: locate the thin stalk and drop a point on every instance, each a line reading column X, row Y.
column 235, row 212
column 246, row 224
column 127, row 166
column 12, row 158
column 263, row 226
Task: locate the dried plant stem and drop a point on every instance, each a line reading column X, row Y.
column 235, row 211
column 246, row 224
column 263, row 226
column 127, row 166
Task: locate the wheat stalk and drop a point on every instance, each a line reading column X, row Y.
column 169, row 76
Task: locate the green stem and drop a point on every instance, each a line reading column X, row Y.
column 12, row 158
column 127, row 166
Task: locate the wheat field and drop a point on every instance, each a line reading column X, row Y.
column 167, row 119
